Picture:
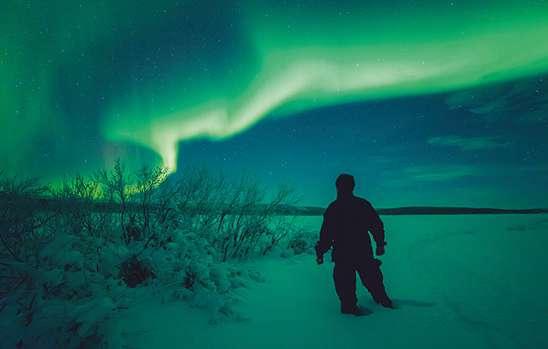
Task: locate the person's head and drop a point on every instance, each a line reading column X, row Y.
column 345, row 184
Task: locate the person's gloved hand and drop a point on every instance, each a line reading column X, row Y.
column 319, row 260
column 380, row 249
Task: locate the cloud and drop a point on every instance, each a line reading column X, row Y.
column 523, row 100
column 429, row 174
column 439, row 173
column 449, row 173
column 468, row 143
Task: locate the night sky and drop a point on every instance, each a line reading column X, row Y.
column 426, row 103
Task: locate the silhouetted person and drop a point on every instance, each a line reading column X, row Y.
column 346, row 226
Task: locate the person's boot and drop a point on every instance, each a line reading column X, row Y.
column 385, row 302
column 353, row 310
column 380, row 297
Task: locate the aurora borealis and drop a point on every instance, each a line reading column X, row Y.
column 450, row 91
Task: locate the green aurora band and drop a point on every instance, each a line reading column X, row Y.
column 286, row 59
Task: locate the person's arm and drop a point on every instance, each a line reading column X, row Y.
column 325, row 242
column 377, row 230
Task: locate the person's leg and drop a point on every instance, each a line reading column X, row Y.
column 372, row 278
column 344, row 276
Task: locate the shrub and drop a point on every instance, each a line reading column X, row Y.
column 74, row 255
column 301, row 242
column 134, row 271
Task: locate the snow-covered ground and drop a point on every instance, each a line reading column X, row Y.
column 458, row 281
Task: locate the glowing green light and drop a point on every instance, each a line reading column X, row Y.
column 326, row 61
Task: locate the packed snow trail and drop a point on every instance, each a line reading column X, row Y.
column 454, row 288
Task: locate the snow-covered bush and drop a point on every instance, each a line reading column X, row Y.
column 72, row 259
column 302, row 242
column 238, row 220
